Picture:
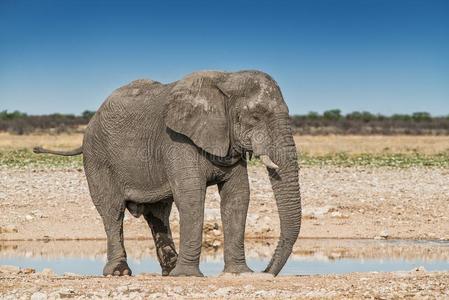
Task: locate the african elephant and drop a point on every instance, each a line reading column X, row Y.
column 150, row 144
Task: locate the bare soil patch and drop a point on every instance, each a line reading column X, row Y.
column 398, row 285
column 410, row 203
column 371, row 144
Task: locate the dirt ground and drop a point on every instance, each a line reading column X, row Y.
column 409, row 203
column 371, row 144
column 376, row 204
column 371, row 203
column 399, row 285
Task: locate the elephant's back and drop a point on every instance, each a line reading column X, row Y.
column 129, row 101
column 120, row 132
column 133, row 104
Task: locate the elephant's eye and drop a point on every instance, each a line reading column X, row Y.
column 239, row 118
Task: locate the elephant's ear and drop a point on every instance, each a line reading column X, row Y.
column 196, row 109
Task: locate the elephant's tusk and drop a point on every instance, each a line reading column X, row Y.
column 268, row 162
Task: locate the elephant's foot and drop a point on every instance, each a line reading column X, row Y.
column 117, row 268
column 186, row 270
column 237, row 269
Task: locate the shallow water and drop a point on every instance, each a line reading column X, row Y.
column 309, row 256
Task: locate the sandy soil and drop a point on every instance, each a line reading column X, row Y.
column 337, row 203
column 372, row 144
column 414, row 284
column 371, row 203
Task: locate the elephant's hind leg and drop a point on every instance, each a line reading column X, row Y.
column 111, row 207
column 158, row 215
column 113, row 224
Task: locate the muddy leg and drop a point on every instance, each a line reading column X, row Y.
column 157, row 216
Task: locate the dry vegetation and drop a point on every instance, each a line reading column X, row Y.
column 10, row 141
column 334, row 150
column 371, row 144
column 307, row 144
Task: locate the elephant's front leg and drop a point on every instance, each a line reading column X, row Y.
column 234, row 195
column 158, row 217
column 189, row 191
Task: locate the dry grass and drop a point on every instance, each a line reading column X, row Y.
column 312, row 145
column 372, row 144
column 58, row 141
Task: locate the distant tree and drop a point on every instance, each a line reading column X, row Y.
column 355, row 115
column 87, row 114
column 401, row 117
column 5, row 115
column 367, row 116
column 380, row 117
column 333, row 114
column 421, row 116
column 312, row 115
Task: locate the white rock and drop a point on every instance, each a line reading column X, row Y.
column 47, row 272
column 419, row 269
column 39, row 296
column 384, row 234
column 122, row 288
column 224, row 291
column 336, row 214
column 157, row 296
column 29, row 217
column 8, row 269
column 317, row 212
column 135, row 296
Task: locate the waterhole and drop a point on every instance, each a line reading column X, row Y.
column 310, row 256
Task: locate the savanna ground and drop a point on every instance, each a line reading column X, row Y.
column 353, row 187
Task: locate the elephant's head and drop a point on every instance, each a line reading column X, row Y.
column 244, row 112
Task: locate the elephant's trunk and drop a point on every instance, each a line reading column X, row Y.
column 286, row 191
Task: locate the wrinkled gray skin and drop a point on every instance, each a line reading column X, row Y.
column 151, row 144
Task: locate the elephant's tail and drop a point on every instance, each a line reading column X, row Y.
column 73, row 152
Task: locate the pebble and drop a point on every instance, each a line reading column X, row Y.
column 336, row 214
column 39, row 296
column 224, row 291
column 9, row 229
column 122, row 289
column 419, row 269
column 47, row 272
column 384, row 234
column 27, row 271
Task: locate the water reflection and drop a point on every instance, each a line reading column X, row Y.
column 310, row 256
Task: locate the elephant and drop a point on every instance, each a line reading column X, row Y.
column 152, row 144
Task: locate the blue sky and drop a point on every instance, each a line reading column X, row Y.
column 383, row 56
